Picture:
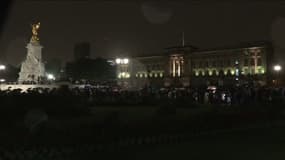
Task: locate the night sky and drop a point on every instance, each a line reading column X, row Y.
column 135, row 28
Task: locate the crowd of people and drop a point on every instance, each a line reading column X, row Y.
column 114, row 95
column 93, row 95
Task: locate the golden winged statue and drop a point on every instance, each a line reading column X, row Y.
column 35, row 28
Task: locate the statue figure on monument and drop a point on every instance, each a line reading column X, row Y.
column 35, row 28
column 32, row 68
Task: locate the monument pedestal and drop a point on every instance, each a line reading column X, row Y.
column 32, row 69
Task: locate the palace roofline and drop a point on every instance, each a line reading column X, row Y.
column 243, row 45
column 195, row 50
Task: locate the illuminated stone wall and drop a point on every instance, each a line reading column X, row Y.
column 190, row 66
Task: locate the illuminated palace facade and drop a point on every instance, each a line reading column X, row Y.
column 189, row 66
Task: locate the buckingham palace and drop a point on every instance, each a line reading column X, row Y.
column 190, row 66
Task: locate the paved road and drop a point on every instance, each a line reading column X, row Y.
column 257, row 144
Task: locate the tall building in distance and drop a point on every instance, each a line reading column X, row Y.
column 82, row 50
column 189, row 66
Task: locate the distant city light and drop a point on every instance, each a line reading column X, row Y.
column 50, row 77
column 277, row 68
column 2, row 67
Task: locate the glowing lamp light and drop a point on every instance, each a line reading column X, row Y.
column 262, row 71
column 232, row 72
column 118, row 60
column 50, row 77
column 210, row 73
column 2, row 80
column 2, row 67
column 127, row 75
column 277, row 68
column 125, row 61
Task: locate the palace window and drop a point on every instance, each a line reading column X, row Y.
column 229, row 62
column 229, row 72
column 232, row 72
column 245, row 62
column 221, row 64
column 259, row 62
column 207, row 64
column 200, row 72
column 252, row 61
column 196, row 73
column 201, row 64
column 221, row 73
column 214, row 63
column 215, row 73
column 207, row 73
column 193, row 64
column 210, row 73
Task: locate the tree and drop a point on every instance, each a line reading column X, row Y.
column 90, row 69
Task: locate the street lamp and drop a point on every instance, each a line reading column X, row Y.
column 2, row 67
column 118, row 60
column 50, row 77
column 126, row 61
column 277, row 68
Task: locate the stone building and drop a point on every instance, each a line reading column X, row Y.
column 190, row 66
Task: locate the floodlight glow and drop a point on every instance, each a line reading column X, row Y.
column 125, row 61
column 2, row 67
column 50, row 77
column 277, row 68
column 262, row 71
column 118, row 60
column 232, row 72
column 210, row 73
column 2, row 80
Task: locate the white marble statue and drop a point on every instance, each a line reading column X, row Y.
column 32, row 68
